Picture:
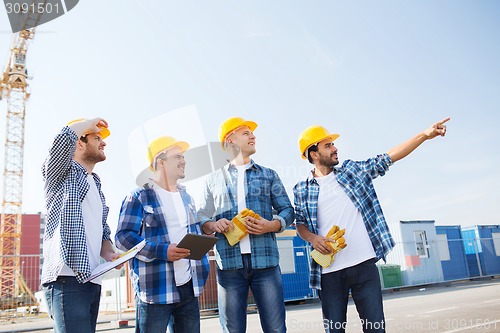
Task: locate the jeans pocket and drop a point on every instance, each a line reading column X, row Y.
column 48, row 292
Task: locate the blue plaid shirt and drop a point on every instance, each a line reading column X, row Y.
column 64, row 241
column 355, row 177
column 142, row 217
column 264, row 192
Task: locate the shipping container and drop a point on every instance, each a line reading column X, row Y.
column 452, row 253
column 482, row 247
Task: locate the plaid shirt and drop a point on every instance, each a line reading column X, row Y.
column 355, row 177
column 142, row 217
column 64, row 241
column 264, row 191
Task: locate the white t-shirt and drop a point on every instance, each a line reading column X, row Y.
column 336, row 208
column 176, row 219
column 245, row 241
column 92, row 219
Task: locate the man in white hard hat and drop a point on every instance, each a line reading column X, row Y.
column 77, row 234
column 346, row 197
column 253, row 262
column 161, row 212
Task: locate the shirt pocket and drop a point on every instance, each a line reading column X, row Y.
column 151, row 227
column 259, row 187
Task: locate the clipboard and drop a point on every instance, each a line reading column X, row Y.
column 199, row 245
column 107, row 266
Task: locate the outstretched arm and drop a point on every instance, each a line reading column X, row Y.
column 404, row 149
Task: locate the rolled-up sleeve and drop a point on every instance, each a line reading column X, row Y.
column 206, row 208
column 281, row 203
column 376, row 166
column 299, row 203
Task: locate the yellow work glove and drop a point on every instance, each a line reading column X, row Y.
column 325, row 260
column 235, row 235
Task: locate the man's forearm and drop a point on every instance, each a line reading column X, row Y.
column 107, row 249
column 404, row 149
column 274, row 225
column 305, row 233
column 208, row 227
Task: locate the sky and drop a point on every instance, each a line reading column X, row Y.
column 375, row 72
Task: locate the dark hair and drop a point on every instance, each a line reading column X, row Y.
column 84, row 139
column 309, row 150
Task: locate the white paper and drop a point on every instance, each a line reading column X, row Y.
column 107, row 266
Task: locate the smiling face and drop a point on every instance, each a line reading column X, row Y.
column 326, row 155
column 93, row 148
column 243, row 140
column 173, row 163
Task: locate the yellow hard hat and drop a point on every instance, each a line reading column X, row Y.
column 229, row 125
column 104, row 132
column 162, row 144
column 311, row 136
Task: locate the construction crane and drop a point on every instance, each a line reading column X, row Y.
column 15, row 90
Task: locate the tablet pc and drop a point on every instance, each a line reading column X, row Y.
column 199, row 245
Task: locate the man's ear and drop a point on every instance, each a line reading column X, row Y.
column 80, row 144
column 313, row 156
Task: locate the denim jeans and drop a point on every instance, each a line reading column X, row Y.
column 267, row 290
column 364, row 283
column 152, row 318
column 72, row 305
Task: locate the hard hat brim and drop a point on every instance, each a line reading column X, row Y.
column 332, row 137
column 159, row 150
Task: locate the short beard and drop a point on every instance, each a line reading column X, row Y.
column 327, row 161
column 93, row 158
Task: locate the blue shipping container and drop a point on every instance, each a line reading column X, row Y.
column 456, row 266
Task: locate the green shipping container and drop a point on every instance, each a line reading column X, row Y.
column 391, row 276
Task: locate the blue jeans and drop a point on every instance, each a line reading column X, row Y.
column 72, row 305
column 267, row 290
column 364, row 283
column 152, row 318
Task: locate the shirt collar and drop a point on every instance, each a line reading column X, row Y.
column 253, row 165
column 81, row 167
column 152, row 184
column 311, row 179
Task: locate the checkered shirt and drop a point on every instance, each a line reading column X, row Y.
column 142, row 217
column 265, row 195
column 355, row 177
column 64, row 241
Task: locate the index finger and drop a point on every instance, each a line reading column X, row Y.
column 251, row 219
column 443, row 121
column 230, row 224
